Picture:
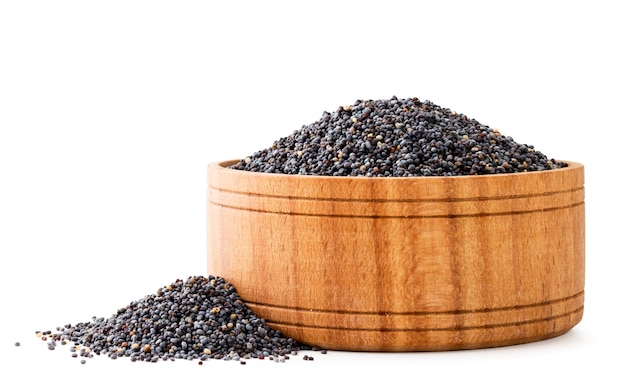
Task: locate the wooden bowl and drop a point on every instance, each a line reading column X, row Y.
column 403, row 264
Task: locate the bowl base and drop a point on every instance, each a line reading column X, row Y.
column 428, row 331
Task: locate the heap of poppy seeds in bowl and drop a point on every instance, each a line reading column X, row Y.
column 396, row 138
column 197, row 319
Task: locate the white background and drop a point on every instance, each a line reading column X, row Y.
column 110, row 112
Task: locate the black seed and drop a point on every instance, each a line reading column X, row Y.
column 195, row 319
column 396, row 137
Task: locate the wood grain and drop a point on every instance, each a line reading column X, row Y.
column 403, row 264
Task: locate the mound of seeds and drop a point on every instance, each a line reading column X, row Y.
column 396, row 138
column 200, row 318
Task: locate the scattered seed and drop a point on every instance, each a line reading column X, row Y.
column 195, row 319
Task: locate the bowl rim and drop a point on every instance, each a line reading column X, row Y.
column 224, row 165
column 344, row 188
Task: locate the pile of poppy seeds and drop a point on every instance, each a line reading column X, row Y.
column 197, row 319
column 396, row 138
column 204, row 317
